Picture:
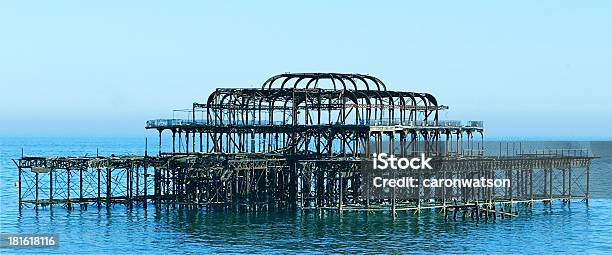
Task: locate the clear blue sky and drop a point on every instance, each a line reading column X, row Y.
column 529, row 69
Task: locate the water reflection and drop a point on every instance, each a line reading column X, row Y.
column 179, row 229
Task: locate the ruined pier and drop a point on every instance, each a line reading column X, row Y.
column 304, row 141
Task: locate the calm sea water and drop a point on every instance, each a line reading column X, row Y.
column 543, row 229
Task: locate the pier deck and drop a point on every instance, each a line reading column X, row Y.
column 264, row 182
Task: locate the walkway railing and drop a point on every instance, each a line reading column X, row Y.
column 167, row 123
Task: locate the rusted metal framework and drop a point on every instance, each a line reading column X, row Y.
column 303, row 140
column 317, row 115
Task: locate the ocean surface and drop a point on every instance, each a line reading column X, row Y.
column 542, row 229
